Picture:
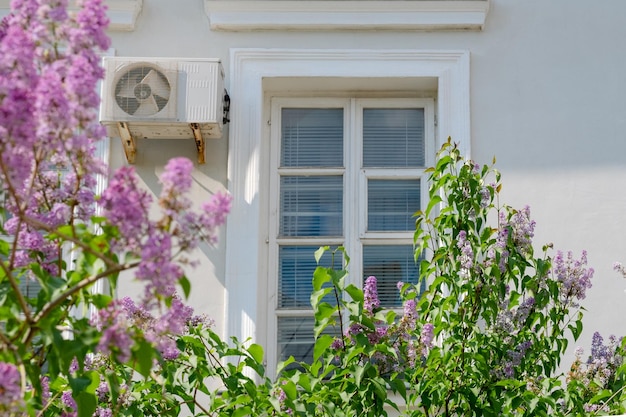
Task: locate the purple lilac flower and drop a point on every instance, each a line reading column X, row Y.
column 515, row 357
column 337, row 343
column 524, row 309
column 36, row 81
column 410, row 314
column 598, row 349
column 115, row 332
column 103, row 389
column 10, row 387
column 370, row 294
column 427, row 336
column 411, row 353
column 485, row 196
column 215, row 210
column 618, row 267
column 176, row 178
column 466, row 258
column 573, row 275
column 74, row 366
column 103, row 412
column 523, row 229
column 126, row 206
column 176, row 181
column 45, row 388
column 68, row 400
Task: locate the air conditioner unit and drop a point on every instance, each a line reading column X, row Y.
column 163, row 98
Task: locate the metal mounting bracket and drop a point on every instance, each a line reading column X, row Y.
column 127, row 141
column 199, row 139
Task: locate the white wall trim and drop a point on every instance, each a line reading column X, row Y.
column 248, row 68
column 244, row 15
column 123, row 14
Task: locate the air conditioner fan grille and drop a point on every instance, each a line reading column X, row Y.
column 142, row 91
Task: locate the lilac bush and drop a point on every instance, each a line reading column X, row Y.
column 55, row 357
column 487, row 335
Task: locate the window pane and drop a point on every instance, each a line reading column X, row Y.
column 391, row 204
column 295, row 338
column 296, row 265
column 311, row 206
column 311, row 138
column 390, row 264
column 393, row 138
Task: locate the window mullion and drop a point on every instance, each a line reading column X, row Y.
column 354, row 213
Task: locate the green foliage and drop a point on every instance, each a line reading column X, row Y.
column 500, row 317
column 485, row 338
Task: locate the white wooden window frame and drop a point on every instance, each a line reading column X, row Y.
column 355, row 201
column 246, row 241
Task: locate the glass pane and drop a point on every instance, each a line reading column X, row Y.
column 390, row 264
column 296, row 265
column 393, row 138
column 311, row 138
column 311, row 206
column 391, row 204
column 295, row 338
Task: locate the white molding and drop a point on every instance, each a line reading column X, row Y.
column 123, row 14
column 248, row 68
column 246, row 15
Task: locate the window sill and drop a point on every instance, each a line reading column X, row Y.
column 247, row 15
column 122, row 13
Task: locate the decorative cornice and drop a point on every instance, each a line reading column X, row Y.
column 429, row 15
column 122, row 13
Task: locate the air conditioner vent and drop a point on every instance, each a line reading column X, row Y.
column 142, row 91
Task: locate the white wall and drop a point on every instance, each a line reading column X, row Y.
column 547, row 99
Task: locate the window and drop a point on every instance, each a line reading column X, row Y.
column 255, row 75
column 343, row 171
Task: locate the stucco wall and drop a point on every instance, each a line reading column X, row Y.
column 547, row 99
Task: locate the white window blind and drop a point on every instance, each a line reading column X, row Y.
column 393, row 138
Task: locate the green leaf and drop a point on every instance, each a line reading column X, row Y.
column 142, row 356
column 185, row 285
column 321, row 276
column 321, row 345
column 320, row 252
column 282, row 365
column 242, row 412
column 256, row 351
column 86, row 404
column 355, row 293
column 432, row 203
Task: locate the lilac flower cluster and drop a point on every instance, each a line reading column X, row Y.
column 598, row 370
column 156, row 242
column 10, row 388
column 49, row 70
column 115, row 337
column 68, row 401
column 403, row 335
column 370, row 295
column 161, row 330
column 573, row 275
column 466, row 258
column 514, row 359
